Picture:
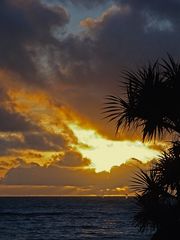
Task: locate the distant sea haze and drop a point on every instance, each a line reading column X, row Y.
column 55, row 218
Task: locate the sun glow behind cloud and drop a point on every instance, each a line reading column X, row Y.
column 62, row 123
column 105, row 153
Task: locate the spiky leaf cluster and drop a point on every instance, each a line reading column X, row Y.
column 152, row 100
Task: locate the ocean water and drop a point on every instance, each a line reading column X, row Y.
column 58, row 218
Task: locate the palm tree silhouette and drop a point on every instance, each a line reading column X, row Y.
column 152, row 104
column 158, row 196
column 152, row 98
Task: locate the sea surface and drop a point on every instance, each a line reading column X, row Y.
column 58, row 218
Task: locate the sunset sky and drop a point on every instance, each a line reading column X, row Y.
column 59, row 59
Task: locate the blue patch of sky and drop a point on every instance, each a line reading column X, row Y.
column 77, row 13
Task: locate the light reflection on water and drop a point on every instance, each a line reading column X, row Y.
column 51, row 218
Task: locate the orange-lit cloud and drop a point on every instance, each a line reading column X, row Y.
column 53, row 80
column 113, row 10
column 76, row 181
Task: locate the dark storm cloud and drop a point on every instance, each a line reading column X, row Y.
column 168, row 8
column 123, row 37
column 38, row 140
column 84, row 3
column 51, row 175
column 33, row 174
column 84, row 67
column 72, row 159
column 27, row 32
column 14, row 122
column 8, row 143
column 25, row 26
column 44, row 141
column 10, row 120
column 17, row 132
column 118, row 38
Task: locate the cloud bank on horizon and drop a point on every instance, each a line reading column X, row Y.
column 53, row 73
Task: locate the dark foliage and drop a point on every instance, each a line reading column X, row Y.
column 152, row 100
column 152, row 103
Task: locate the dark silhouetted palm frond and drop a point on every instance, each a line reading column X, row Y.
column 151, row 102
column 168, row 169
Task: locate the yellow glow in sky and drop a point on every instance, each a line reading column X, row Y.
column 105, row 153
